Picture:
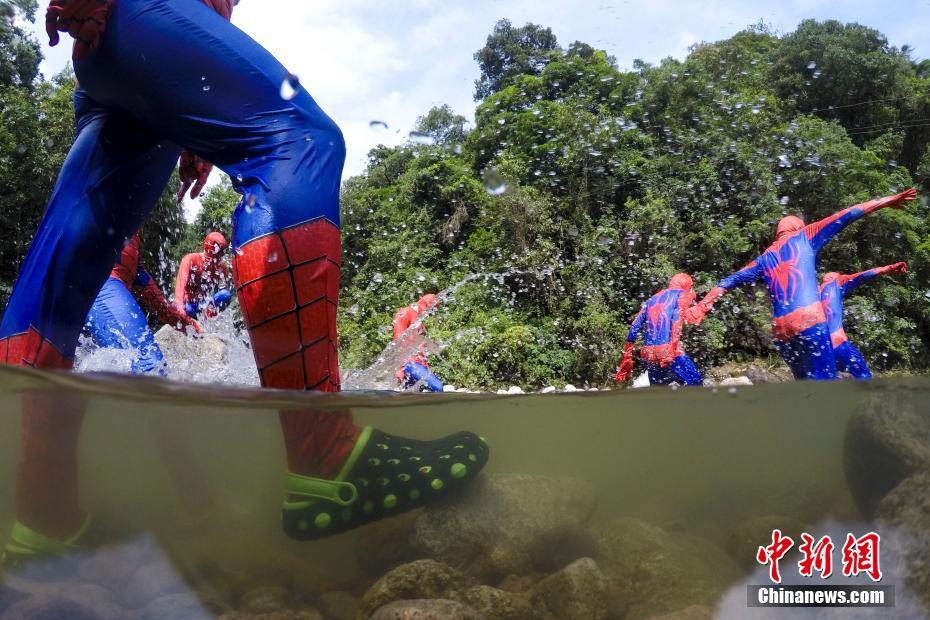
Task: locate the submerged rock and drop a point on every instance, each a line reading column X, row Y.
column 423, row 579
column 339, row 605
column 904, row 518
column 67, row 601
column 384, row 544
column 695, row 612
column 309, row 613
column 490, row 529
column 887, row 440
column 184, row 606
column 496, row 604
column 577, row 592
column 426, row 609
column 152, row 581
column 652, row 572
column 265, row 600
column 744, row 540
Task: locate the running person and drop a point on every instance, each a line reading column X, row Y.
column 663, row 316
column 157, row 76
column 833, row 291
column 416, row 369
column 202, row 283
column 789, row 268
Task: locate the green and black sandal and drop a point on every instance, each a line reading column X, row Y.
column 26, row 545
column 384, row 476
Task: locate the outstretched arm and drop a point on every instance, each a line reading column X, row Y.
column 181, row 281
column 821, row 232
column 154, row 301
column 848, row 283
column 750, row 273
column 626, row 365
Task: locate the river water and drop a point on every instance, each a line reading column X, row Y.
column 189, row 477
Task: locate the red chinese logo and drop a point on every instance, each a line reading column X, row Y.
column 772, row 554
column 860, row 555
column 817, row 557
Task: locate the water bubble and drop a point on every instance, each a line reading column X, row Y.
column 418, row 137
column 290, row 87
column 812, row 65
column 377, row 278
column 494, row 181
column 376, row 125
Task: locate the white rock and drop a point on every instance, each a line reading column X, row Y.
column 569, row 388
column 736, row 381
column 448, row 388
column 515, row 389
column 641, row 381
column 592, row 389
column 502, row 391
column 547, row 390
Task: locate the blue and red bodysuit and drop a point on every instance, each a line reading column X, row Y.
column 202, row 283
column 789, row 269
column 156, row 77
column 117, row 321
column 416, row 369
column 663, row 316
column 834, row 289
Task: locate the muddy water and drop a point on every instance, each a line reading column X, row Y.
column 193, row 475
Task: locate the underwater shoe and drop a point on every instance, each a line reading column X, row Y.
column 383, row 476
column 26, row 544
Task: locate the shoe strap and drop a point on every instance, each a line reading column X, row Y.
column 342, row 493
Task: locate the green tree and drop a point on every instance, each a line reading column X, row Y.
column 511, row 52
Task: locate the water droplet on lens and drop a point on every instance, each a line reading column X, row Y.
column 494, row 182
column 378, row 125
column 419, row 137
column 290, row 87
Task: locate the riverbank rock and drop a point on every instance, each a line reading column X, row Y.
column 904, row 520
column 652, row 572
column 735, row 381
column 426, row 609
column 490, row 529
column 423, row 579
column 208, row 349
column 887, row 440
column 577, row 592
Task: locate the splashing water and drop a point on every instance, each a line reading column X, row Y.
column 381, row 374
column 222, row 355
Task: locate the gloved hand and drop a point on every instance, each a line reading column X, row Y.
column 179, row 320
column 899, row 201
column 194, row 172
column 695, row 314
column 626, row 366
column 223, row 7
column 85, row 20
column 898, row 267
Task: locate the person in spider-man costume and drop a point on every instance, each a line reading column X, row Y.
column 416, row 370
column 663, row 316
column 156, row 77
column 202, row 282
column 117, row 321
column 789, row 269
column 835, row 288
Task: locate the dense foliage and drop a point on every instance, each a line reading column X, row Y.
column 587, row 187
column 581, row 188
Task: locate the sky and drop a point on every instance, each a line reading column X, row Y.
column 370, row 60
